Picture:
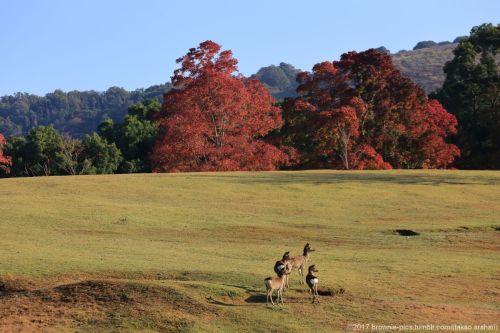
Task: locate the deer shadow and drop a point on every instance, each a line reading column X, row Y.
column 256, row 298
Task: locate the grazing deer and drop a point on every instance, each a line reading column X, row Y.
column 277, row 283
column 299, row 262
column 312, row 282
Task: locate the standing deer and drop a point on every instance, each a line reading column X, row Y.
column 277, row 283
column 299, row 262
column 312, row 282
column 280, row 264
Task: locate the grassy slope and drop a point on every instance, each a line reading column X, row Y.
column 190, row 251
column 425, row 66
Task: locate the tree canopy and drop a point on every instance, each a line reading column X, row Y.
column 44, row 152
column 215, row 120
column 471, row 92
column 360, row 113
column 135, row 136
column 103, row 157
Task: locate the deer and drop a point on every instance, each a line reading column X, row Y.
column 277, row 283
column 299, row 262
column 278, row 266
column 312, row 282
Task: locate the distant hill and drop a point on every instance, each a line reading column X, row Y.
column 279, row 80
column 424, row 65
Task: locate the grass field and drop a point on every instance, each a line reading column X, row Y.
column 189, row 252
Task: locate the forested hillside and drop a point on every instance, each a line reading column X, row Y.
column 75, row 112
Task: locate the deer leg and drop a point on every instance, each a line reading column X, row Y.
column 316, row 292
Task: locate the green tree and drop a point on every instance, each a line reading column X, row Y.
column 471, row 92
column 101, row 157
column 40, row 152
column 135, row 136
column 70, row 156
column 45, row 153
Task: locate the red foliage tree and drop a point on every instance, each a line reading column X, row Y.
column 212, row 120
column 5, row 161
column 360, row 113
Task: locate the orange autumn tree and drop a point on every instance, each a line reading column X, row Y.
column 5, row 161
column 214, row 119
column 361, row 113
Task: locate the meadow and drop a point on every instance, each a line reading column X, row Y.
column 189, row 252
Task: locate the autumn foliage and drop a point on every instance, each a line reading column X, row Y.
column 214, row 120
column 5, row 161
column 360, row 113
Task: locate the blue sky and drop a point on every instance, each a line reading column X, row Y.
column 95, row 44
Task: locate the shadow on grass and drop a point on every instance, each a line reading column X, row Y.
column 261, row 299
column 248, row 289
column 395, row 177
column 217, row 302
column 257, row 300
column 257, row 297
column 252, row 300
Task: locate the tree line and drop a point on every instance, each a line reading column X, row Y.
column 75, row 112
column 116, row 147
column 355, row 113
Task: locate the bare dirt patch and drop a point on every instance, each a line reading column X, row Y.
column 98, row 304
column 330, row 291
